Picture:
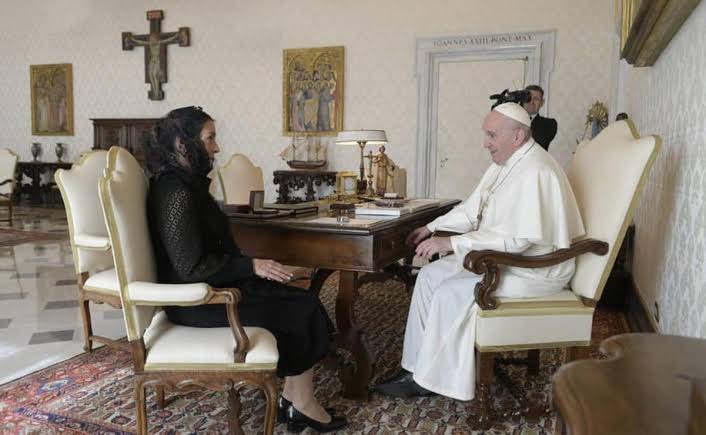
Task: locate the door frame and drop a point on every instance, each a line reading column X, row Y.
column 537, row 48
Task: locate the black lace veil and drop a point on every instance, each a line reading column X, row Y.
column 184, row 123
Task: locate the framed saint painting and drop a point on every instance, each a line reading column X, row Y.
column 312, row 91
column 52, row 100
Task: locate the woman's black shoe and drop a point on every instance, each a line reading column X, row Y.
column 297, row 422
column 283, row 404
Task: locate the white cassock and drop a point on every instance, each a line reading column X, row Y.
column 529, row 208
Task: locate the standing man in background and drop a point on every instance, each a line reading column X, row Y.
column 543, row 129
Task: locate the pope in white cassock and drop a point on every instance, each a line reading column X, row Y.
column 523, row 204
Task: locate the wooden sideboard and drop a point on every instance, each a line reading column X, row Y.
column 35, row 192
column 129, row 133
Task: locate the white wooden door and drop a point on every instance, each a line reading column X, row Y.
column 464, row 88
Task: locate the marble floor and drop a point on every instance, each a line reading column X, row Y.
column 40, row 323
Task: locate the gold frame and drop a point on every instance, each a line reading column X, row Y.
column 649, row 26
column 40, row 75
column 304, row 61
column 341, row 178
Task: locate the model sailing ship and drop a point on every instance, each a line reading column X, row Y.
column 305, row 153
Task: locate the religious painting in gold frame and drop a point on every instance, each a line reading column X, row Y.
column 647, row 27
column 52, row 99
column 312, row 91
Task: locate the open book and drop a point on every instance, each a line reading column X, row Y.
column 410, row 206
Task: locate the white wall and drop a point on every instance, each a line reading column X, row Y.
column 669, row 99
column 234, row 65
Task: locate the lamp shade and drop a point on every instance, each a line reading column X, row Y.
column 354, row 137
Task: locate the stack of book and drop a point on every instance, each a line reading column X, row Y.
column 296, row 209
column 398, row 209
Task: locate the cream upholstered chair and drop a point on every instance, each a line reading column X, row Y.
column 165, row 354
column 90, row 244
column 236, row 179
column 607, row 175
column 8, row 166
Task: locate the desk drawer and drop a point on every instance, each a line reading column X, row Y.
column 390, row 246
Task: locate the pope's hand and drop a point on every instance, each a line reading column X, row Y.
column 432, row 246
column 417, row 236
column 272, row 270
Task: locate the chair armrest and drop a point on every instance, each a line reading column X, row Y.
column 230, row 297
column 149, row 293
column 89, row 241
column 486, row 263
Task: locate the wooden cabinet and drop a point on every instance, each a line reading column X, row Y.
column 129, row 133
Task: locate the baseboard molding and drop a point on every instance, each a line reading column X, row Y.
column 638, row 315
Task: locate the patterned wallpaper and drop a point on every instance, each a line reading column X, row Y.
column 234, row 65
column 669, row 99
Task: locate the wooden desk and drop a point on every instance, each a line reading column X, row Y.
column 645, row 388
column 328, row 248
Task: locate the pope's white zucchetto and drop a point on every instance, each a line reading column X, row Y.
column 514, row 111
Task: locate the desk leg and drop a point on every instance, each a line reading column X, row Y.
column 355, row 379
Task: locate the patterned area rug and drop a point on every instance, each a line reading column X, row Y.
column 93, row 393
column 12, row 237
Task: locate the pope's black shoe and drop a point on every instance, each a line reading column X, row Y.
column 402, row 385
column 297, row 422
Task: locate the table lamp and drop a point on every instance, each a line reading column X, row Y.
column 362, row 138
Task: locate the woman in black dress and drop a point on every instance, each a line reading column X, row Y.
column 193, row 243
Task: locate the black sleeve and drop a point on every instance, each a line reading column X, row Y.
column 544, row 132
column 179, row 229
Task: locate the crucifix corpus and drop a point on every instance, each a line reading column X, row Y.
column 155, row 44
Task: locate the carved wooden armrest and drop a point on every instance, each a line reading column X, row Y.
column 230, row 297
column 445, row 234
column 486, row 263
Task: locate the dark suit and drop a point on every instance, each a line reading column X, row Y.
column 543, row 130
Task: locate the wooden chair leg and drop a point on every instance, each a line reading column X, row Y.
column 87, row 328
column 140, row 407
column 270, row 389
column 484, row 415
column 234, row 411
column 159, row 393
column 533, row 362
column 576, row 352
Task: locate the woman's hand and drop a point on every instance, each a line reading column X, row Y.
column 272, row 270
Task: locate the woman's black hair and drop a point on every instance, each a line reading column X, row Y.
column 184, row 123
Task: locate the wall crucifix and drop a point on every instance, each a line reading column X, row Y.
column 155, row 44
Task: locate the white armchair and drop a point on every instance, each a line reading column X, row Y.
column 88, row 235
column 8, row 166
column 607, row 175
column 236, row 179
column 165, row 354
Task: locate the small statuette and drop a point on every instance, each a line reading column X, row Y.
column 59, row 151
column 36, row 150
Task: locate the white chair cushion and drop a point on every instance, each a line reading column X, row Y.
column 560, row 319
column 608, row 175
column 91, row 241
column 167, row 294
column 175, row 347
column 103, row 282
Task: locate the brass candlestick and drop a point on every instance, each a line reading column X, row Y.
column 369, row 191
